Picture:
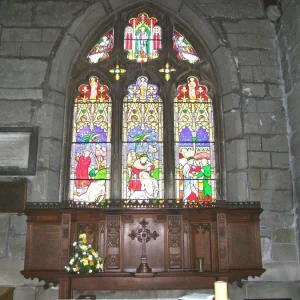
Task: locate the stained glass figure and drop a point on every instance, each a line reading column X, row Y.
column 90, row 152
column 102, row 48
column 185, row 50
column 142, row 38
column 142, row 143
column 167, row 70
column 194, row 143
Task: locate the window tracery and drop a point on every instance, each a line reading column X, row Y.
column 157, row 122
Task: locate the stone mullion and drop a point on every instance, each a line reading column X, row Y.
column 169, row 164
column 116, row 145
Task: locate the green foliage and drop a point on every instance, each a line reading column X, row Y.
column 85, row 259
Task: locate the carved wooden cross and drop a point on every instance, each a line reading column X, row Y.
column 143, row 235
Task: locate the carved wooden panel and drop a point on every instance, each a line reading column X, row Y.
column 246, row 254
column 187, row 249
column 222, row 241
column 228, row 239
column 155, row 249
column 113, row 242
column 175, row 242
column 101, row 238
column 214, row 248
column 91, row 231
column 202, row 238
column 65, row 240
column 44, row 247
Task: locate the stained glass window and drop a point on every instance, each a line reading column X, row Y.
column 194, row 143
column 117, row 148
column 185, row 50
column 142, row 143
column 142, row 38
column 102, row 48
column 90, row 152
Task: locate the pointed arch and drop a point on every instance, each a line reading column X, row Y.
column 80, row 33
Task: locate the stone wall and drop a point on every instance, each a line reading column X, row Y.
column 39, row 40
column 288, row 33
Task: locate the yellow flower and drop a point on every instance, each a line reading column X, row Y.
column 84, row 240
column 83, row 247
column 85, row 262
column 91, row 263
column 83, row 235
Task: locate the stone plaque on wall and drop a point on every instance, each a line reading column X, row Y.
column 18, row 150
column 13, row 195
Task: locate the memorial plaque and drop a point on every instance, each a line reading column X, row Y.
column 18, row 150
column 13, row 196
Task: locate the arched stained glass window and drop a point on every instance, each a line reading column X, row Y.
column 194, row 143
column 142, row 142
column 151, row 145
column 91, row 138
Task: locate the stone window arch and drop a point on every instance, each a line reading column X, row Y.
column 205, row 70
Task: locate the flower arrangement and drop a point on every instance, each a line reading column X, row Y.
column 85, row 259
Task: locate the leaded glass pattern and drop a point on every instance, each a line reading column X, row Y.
column 102, row 48
column 185, row 50
column 142, row 38
column 91, row 147
column 142, row 143
column 194, row 143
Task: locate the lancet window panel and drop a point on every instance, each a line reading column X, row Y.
column 194, row 143
column 142, row 142
column 91, row 143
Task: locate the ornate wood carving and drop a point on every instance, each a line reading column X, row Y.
column 175, row 242
column 119, row 204
column 65, row 240
column 91, row 231
column 113, row 242
column 101, row 239
column 222, row 241
column 143, row 235
column 223, row 236
column 187, row 244
column 200, row 228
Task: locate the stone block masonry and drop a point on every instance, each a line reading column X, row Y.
column 288, row 34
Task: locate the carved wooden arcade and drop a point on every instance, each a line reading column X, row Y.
column 225, row 234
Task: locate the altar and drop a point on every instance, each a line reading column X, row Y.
column 225, row 234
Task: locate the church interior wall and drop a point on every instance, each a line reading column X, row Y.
column 258, row 65
column 288, row 34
